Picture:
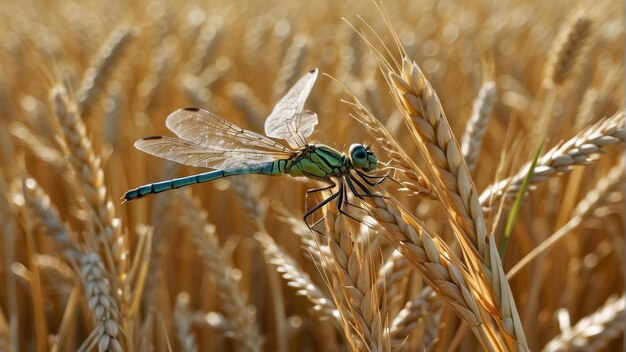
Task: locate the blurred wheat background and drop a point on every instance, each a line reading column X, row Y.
column 229, row 265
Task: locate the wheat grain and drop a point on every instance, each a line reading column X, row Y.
column 352, row 279
column 103, row 305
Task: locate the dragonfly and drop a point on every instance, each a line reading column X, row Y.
column 207, row 140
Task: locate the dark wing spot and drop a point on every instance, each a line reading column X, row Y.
column 191, row 109
column 151, row 137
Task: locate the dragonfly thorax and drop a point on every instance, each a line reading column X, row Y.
column 362, row 157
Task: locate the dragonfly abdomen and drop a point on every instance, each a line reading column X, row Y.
column 272, row 169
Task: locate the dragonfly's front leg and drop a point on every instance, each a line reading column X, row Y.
column 379, row 179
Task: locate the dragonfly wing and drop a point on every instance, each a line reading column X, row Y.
column 193, row 154
column 212, row 131
column 288, row 121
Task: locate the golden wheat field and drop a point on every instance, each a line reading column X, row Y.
column 499, row 123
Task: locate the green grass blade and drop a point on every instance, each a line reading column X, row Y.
column 510, row 221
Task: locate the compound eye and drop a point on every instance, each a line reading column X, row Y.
column 360, row 154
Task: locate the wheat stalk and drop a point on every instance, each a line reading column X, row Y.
column 560, row 159
column 593, row 332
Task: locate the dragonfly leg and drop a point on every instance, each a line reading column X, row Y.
column 330, row 186
column 379, row 179
column 344, row 200
column 317, row 207
column 366, row 192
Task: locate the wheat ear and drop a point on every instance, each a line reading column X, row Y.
column 242, row 317
column 432, row 259
column 183, row 321
column 86, row 164
column 560, row 159
column 593, row 332
column 477, row 124
column 95, row 76
column 568, row 49
column 47, row 215
column 296, row 277
column 353, row 282
column 592, row 200
column 411, row 314
column 106, row 313
column 429, row 126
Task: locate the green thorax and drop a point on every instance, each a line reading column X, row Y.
column 317, row 161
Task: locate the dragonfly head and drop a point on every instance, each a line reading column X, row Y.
column 362, row 157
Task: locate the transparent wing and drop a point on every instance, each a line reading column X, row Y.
column 193, row 154
column 287, row 121
column 214, row 132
